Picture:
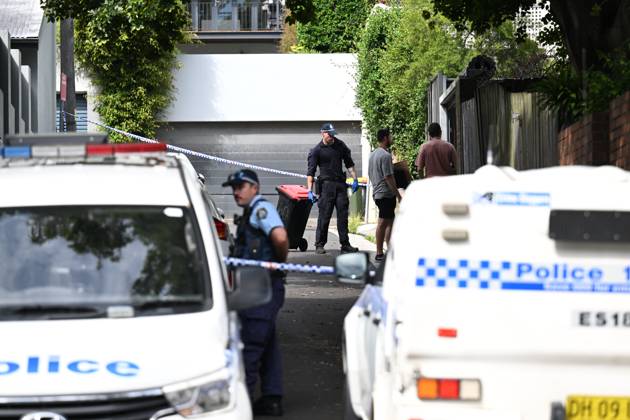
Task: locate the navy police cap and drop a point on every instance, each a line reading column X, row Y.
column 328, row 127
column 243, row 175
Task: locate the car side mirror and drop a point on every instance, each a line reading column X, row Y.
column 252, row 287
column 352, row 268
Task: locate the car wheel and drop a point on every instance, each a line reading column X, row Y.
column 348, row 411
column 303, row 244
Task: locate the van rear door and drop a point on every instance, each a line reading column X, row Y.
column 536, row 302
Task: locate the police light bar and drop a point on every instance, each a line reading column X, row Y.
column 67, row 151
column 112, row 149
column 55, row 139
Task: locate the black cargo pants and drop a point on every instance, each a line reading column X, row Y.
column 333, row 194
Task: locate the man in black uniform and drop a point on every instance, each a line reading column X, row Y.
column 329, row 155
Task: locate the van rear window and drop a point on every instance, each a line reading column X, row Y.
column 72, row 262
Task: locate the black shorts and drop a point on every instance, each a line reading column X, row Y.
column 386, row 207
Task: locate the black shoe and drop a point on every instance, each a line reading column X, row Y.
column 320, row 250
column 379, row 257
column 268, row 405
column 345, row 249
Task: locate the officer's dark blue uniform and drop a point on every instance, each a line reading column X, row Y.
column 261, row 352
column 332, row 189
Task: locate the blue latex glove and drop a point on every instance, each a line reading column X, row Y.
column 312, row 197
column 355, row 185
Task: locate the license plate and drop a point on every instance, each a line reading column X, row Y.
column 584, row 407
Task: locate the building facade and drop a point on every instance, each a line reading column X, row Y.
column 261, row 109
column 27, row 68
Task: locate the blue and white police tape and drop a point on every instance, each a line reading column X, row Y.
column 192, row 152
column 269, row 265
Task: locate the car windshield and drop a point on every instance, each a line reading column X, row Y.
column 75, row 262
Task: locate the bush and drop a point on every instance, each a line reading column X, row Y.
column 335, row 26
column 403, row 49
column 563, row 88
column 128, row 48
column 400, row 52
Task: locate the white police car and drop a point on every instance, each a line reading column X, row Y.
column 505, row 295
column 113, row 300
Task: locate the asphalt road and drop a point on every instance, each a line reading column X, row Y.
column 309, row 327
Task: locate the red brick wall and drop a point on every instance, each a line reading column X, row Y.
column 620, row 131
column 585, row 142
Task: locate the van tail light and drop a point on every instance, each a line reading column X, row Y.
column 449, row 389
column 447, row 332
column 221, row 229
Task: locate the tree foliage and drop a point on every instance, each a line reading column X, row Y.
column 573, row 94
column 399, row 54
column 128, row 48
column 516, row 57
column 592, row 26
column 335, row 25
column 587, row 28
column 403, row 49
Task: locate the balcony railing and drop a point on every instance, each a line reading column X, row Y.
column 236, row 15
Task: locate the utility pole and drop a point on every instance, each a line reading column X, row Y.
column 68, row 97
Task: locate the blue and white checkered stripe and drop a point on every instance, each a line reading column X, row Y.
column 504, row 275
column 461, row 273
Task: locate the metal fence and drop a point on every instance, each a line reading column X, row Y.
column 236, row 15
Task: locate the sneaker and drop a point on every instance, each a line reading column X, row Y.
column 347, row 248
column 268, row 405
column 379, row 257
column 320, row 250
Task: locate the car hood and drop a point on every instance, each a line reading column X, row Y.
column 109, row 355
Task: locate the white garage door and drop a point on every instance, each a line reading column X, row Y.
column 282, row 146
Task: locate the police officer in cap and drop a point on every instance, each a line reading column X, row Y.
column 260, row 236
column 328, row 155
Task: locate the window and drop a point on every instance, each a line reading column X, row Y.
column 56, row 259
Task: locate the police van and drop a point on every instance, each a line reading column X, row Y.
column 505, row 295
column 113, row 292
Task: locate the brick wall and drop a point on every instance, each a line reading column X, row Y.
column 620, row 131
column 586, row 142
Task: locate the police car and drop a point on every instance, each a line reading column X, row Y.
column 505, row 295
column 113, row 296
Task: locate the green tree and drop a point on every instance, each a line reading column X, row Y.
column 335, row 25
column 586, row 28
column 128, row 48
column 400, row 52
column 516, row 57
column 592, row 26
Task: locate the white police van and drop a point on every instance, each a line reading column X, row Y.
column 505, row 295
column 113, row 297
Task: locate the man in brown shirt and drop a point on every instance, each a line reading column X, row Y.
column 436, row 157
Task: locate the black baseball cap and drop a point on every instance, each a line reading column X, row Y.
column 328, row 127
column 243, row 175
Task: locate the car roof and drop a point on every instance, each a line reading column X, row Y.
column 84, row 183
column 565, row 185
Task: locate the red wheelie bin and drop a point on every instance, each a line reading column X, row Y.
column 294, row 208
